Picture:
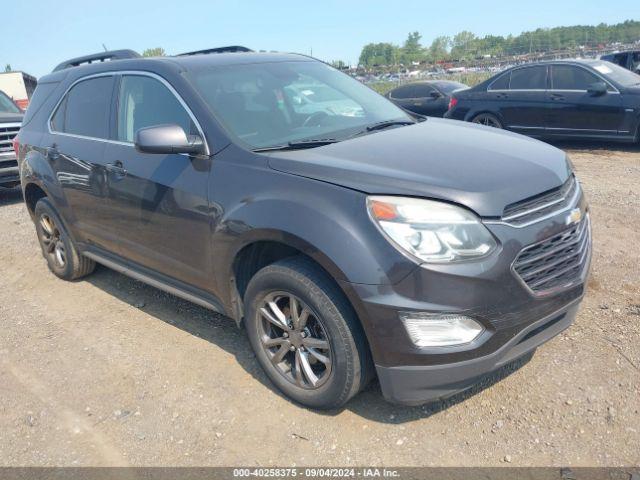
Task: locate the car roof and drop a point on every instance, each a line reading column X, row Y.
column 572, row 61
column 177, row 63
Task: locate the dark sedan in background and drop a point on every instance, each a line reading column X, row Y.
column 629, row 60
column 429, row 97
column 561, row 99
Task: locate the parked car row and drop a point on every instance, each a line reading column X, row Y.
column 587, row 99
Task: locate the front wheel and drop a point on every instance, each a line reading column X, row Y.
column 305, row 335
column 488, row 120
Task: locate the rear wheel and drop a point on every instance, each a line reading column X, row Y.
column 305, row 335
column 57, row 247
column 488, row 120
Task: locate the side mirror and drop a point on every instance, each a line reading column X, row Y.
column 598, row 88
column 435, row 94
column 167, row 139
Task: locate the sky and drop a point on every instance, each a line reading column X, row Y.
column 39, row 34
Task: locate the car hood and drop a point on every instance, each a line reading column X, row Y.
column 6, row 117
column 480, row 167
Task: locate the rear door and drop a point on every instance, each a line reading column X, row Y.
column 75, row 144
column 522, row 105
column 576, row 111
column 160, row 199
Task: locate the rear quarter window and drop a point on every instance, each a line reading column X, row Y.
column 40, row 96
column 501, row 83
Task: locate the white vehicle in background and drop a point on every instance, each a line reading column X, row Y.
column 19, row 86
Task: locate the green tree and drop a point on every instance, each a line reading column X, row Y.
column 378, row 54
column 7, row 68
column 154, row 52
column 439, row 49
column 412, row 50
column 463, row 45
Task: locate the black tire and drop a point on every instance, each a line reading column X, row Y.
column 57, row 247
column 487, row 119
column 350, row 366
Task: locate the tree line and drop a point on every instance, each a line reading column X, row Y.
column 466, row 45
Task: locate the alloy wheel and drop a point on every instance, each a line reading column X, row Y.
column 488, row 120
column 295, row 340
column 51, row 239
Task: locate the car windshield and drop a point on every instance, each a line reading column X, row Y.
column 624, row 77
column 276, row 103
column 7, row 105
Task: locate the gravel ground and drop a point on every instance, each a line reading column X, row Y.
column 108, row 371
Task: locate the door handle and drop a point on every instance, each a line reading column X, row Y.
column 557, row 96
column 116, row 168
column 502, row 95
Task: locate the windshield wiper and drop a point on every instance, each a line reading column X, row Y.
column 298, row 144
column 382, row 126
column 388, row 123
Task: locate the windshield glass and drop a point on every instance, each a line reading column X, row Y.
column 624, row 77
column 270, row 104
column 7, row 105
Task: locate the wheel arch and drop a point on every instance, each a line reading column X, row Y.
column 264, row 247
column 474, row 113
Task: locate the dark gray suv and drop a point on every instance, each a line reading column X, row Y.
column 349, row 239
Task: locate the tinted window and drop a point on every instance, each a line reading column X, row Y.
column 406, row 91
column 501, row 83
column 529, row 78
column 85, row 109
column 423, row 90
column 145, row 102
column 567, row 77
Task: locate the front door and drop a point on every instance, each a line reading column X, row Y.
column 576, row 111
column 161, row 199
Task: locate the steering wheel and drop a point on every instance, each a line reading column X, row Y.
column 316, row 117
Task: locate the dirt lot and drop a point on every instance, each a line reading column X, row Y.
column 108, row 371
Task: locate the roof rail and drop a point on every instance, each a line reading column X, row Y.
column 97, row 57
column 229, row 49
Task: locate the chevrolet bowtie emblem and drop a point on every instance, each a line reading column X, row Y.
column 574, row 216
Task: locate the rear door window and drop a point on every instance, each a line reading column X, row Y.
column 567, row 77
column 529, row 78
column 423, row 91
column 146, row 102
column 406, row 91
column 85, row 109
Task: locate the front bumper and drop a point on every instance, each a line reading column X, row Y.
column 415, row 385
column 516, row 319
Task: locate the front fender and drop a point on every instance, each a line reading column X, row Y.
column 327, row 222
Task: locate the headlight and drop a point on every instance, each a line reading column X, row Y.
column 431, row 231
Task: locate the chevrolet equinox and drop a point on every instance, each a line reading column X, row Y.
column 348, row 238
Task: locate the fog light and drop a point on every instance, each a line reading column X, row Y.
column 440, row 330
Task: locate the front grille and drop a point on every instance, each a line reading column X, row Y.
column 7, row 132
column 534, row 208
column 556, row 263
